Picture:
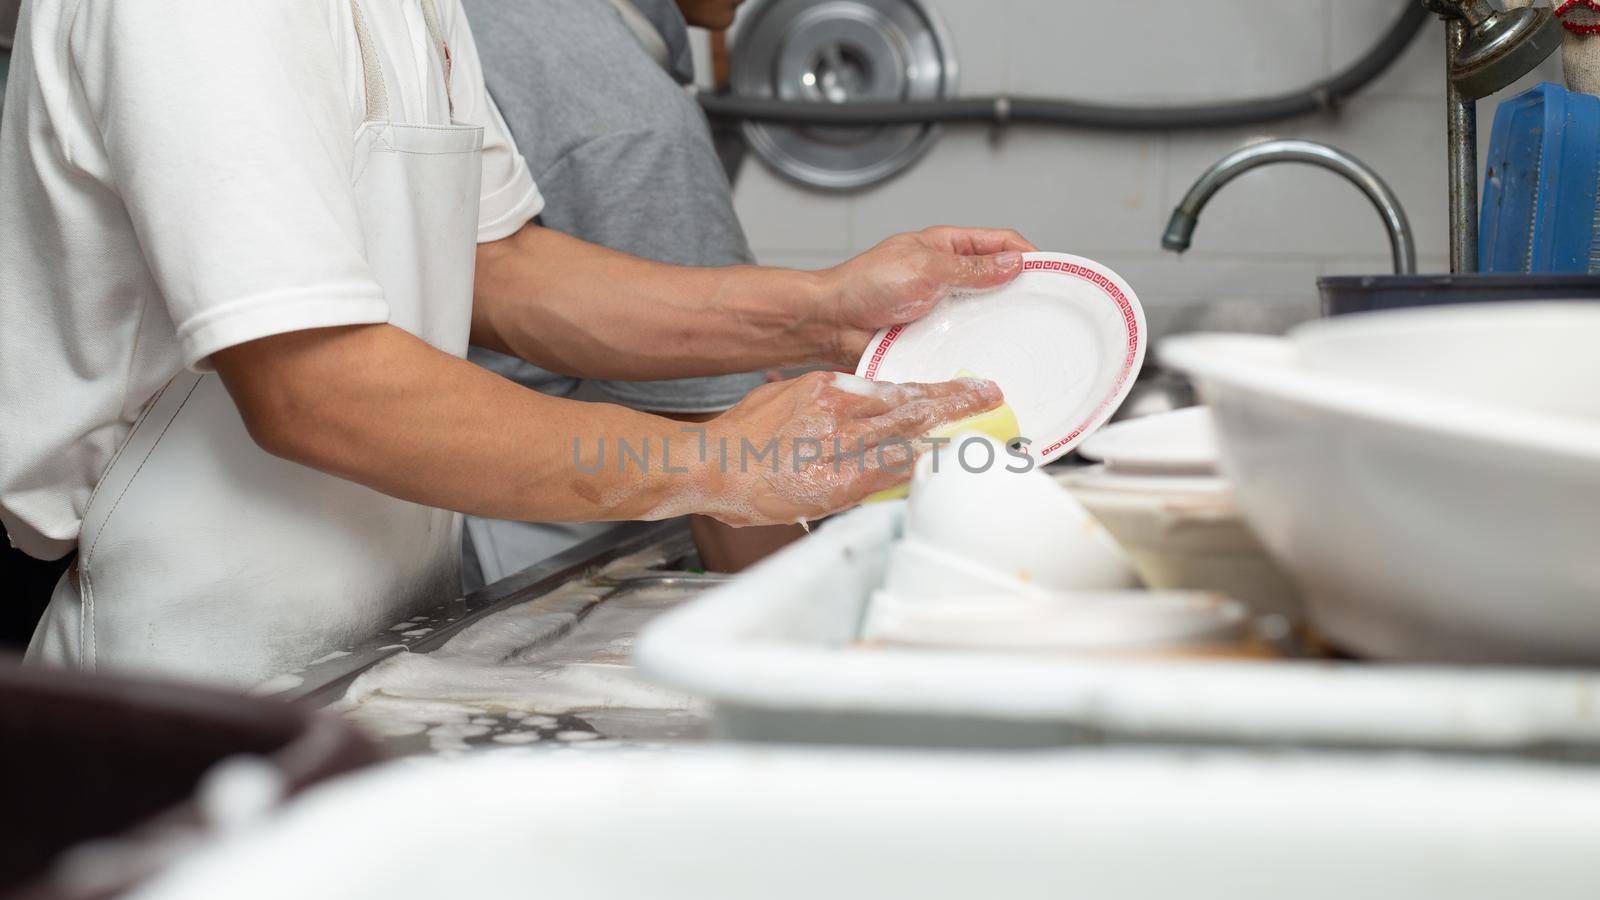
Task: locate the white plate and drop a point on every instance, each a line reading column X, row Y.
column 1181, row 442
column 1106, row 479
column 1065, row 341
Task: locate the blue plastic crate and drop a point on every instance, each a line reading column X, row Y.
column 1540, row 211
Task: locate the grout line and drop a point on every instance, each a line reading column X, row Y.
column 1327, row 38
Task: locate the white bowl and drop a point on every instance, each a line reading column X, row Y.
column 1187, row 534
column 1419, row 525
column 1019, row 524
column 1529, row 357
column 917, row 570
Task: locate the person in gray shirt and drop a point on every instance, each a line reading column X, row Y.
column 9, row 10
column 593, row 92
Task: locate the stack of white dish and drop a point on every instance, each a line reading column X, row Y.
column 1430, row 477
column 1158, row 492
column 1004, row 559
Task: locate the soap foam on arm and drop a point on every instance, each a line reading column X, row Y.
column 855, row 384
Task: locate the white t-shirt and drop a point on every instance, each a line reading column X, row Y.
column 175, row 179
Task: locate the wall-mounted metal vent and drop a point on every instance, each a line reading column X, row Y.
column 837, row 51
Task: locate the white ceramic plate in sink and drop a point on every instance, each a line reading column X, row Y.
column 1065, row 341
column 1181, row 442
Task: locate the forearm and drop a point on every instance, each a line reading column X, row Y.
column 580, row 309
column 377, row 406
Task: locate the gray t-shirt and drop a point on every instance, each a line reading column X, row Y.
column 622, row 155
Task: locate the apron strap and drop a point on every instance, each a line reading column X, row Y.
column 430, row 14
column 371, row 69
column 372, row 66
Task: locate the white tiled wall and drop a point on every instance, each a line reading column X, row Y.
column 1262, row 241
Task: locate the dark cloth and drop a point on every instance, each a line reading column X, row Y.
column 27, row 585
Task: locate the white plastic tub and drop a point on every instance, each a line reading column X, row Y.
column 743, row 823
column 775, row 652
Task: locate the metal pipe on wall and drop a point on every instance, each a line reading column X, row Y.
column 1323, row 96
column 1462, row 118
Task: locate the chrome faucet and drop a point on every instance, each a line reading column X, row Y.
column 1180, row 230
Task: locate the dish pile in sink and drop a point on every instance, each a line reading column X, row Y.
column 1159, row 493
column 996, row 555
column 1431, row 478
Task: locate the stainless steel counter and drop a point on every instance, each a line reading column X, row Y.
column 539, row 659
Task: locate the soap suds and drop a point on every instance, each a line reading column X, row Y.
column 853, row 384
column 823, row 458
column 518, row 737
column 519, row 671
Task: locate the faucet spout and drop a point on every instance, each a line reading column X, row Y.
column 1402, row 244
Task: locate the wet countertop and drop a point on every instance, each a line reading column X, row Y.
column 549, row 672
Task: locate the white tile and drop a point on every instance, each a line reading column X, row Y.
column 1354, row 26
column 980, row 31
column 1162, row 278
column 782, row 217
column 1165, row 49
column 1060, row 188
column 1247, row 315
column 1191, row 292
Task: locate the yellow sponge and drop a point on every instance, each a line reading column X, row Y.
column 999, row 423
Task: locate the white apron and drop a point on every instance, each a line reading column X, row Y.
column 203, row 556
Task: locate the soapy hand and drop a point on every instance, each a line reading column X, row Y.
column 904, row 277
column 830, row 440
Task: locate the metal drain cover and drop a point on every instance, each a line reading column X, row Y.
column 837, row 51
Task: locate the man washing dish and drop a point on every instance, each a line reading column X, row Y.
column 244, row 251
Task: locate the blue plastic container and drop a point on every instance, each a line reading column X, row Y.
column 1541, row 212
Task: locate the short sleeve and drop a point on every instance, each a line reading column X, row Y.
column 232, row 156
column 509, row 199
